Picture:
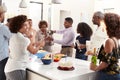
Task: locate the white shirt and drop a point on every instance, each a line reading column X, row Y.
column 18, row 53
column 68, row 37
column 98, row 38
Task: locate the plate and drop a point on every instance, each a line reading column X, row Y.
column 65, row 68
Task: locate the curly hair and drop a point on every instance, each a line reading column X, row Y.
column 112, row 22
column 17, row 22
column 84, row 29
column 42, row 23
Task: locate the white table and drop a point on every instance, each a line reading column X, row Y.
column 38, row 71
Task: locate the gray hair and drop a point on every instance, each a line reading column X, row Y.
column 99, row 14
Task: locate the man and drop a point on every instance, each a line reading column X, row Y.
column 4, row 39
column 68, row 37
column 99, row 37
column 100, row 34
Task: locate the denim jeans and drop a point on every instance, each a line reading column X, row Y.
column 81, row 56
column 104, row 76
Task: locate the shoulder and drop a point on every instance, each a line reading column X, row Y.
column 4, row 27
column 109, row 42
column 109, row 45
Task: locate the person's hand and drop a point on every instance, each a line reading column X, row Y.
column 53, row 31
column 73, row 45
column 82, row 46
column 93, row 66
column 49, row 38
column 90, row 52
column 42, row 43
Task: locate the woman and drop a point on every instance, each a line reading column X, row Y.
column 20, row 47
column 108, row 69
column 44, row 34
column 32, row 32
column 85, row 33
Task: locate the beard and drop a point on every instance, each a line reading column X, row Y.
column 2, row 20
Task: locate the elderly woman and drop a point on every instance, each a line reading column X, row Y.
column 43, row 34
column 108, row 69
column 20, row 48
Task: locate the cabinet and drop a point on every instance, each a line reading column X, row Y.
column 34, row 76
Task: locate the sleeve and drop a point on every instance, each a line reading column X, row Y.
column 107, row 58
column 60, row 31
column 6, row 32
column 66, row 40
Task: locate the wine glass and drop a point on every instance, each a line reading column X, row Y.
column 78, row 45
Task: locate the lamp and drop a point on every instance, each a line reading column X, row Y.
column 57, row 1
column 23, row 4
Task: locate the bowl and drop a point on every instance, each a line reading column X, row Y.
column 57, row 58
column 46, row 61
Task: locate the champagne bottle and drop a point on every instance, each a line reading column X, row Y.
column 94, row 57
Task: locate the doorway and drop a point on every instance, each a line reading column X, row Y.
column 36, row 13
column 63, row 15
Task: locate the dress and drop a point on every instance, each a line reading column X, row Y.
column 112, row 72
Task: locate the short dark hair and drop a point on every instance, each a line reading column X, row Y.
column 112, row 22
column 42, row 22
column 17, row 22
column 69, row 19
column 84, row 29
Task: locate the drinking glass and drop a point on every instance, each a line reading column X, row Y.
column 78, row 45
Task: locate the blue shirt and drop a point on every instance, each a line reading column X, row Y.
column 5, row 35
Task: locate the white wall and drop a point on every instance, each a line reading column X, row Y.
column 81, row 10
column 13, row 8
column 100, row 5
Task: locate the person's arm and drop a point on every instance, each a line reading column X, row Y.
column 34, row 47
column 109, row 45
column 60, row 31
column 65, row 40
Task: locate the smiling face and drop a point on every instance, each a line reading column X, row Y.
column 43, row 28
column 25, row 27
column 67, row 24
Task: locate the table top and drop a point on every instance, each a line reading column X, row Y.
column 51, row 71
